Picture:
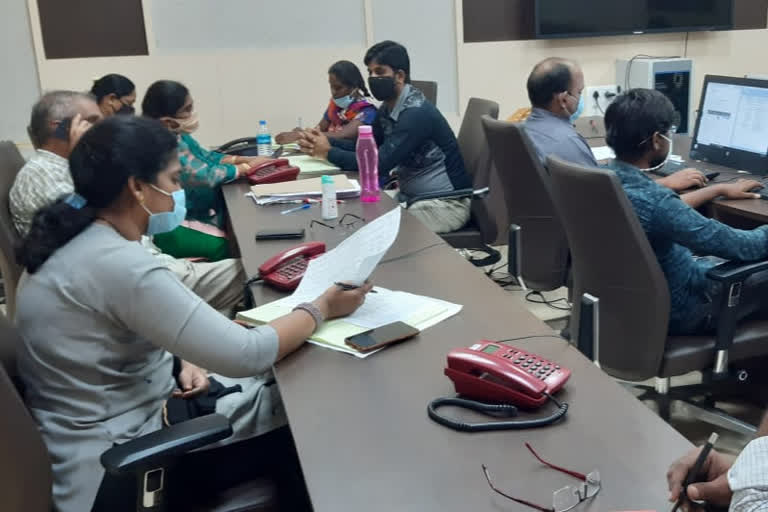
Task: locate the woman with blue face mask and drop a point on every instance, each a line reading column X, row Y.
column 101, row 319
column 348, row 108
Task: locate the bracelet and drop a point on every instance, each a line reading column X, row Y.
column 313, row 311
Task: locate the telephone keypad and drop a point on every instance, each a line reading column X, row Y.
column 531, row 364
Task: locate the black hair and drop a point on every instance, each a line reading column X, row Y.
column 112, row 84
column 392, row 54
column 632, row 119
column 549, row 77
column 348, row 74
column 101, row 163
column 163, row 99
column 52, row 106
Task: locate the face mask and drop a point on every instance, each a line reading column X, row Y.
column 579, row 108
column 659, row 165
column 127, row 110
column 344, row 101
column 165, row 222
column 382, row 87
column 186, row 124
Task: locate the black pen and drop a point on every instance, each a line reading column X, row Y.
column 693, row 474
column 349, row 287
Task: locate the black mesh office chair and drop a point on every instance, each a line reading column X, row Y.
column 481, row 229
column 25, row 468
column 428, row 88
column 622, row 319
column 538, row 248
column 11, row 163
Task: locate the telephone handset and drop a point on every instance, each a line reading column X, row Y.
column 273, row 171
column 507, row 377
column 285, row 270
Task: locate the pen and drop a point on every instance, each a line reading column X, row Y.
column 296, row 209
column 696, row 469
column 349, row 287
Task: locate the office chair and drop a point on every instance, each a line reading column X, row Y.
column 428, row 88
column 622, row 319
column 480, row 231
column 11, row 163
column 538, row 248
column 25, row 468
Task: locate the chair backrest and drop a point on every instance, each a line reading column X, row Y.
column 473, row 146
column 428, row 88
column 526, row 185
column 11, row 162
column 25, row 468
column 613, row 260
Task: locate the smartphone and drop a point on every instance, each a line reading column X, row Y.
column 381, row 336
column 712, row 175
column 62, row 129
column 280, row 234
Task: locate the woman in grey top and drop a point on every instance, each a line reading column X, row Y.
column 100, row 317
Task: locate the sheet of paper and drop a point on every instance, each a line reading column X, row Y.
column 422, row 313
column 603, row 153
column 301, row 187
column 353, row 260
column 309, row 165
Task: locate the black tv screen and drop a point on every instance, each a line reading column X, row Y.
column 583, row 18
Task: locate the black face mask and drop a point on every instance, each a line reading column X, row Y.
column 127, row 110
column 382, row 87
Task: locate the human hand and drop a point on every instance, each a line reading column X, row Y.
column 684, row 180
column 314, row 143
column 76, row 130
column 714, row 489
column 336, row 302
column 192, row 381
column 288, row 137
column 741, row 189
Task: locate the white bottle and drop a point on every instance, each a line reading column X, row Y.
column 263, row 140
column 330, row 209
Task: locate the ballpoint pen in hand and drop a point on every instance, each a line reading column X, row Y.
column 693, row 474
column 349, row 287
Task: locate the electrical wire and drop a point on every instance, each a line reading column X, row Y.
column 597, row 104
column 549, row 336
column 685, row 48
column 551, row 303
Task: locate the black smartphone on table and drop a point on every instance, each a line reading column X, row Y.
column 381, row 336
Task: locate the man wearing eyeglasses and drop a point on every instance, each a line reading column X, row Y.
column 741, row 484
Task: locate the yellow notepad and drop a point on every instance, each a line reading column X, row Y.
column 310, row 165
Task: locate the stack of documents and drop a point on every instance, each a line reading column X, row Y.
column 301, row 189
column 353, row 261
column 310, row 165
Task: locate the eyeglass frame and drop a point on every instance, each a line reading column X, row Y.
column 582, row 494
column 340, row 222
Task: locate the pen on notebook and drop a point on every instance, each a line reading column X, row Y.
column 296, row 209
column 695, row 470
column 349, row 287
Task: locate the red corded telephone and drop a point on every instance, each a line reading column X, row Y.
column 273, row 171
column 285, row 270
column 496, row 379
column 495, row 372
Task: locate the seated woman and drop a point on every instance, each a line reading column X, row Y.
column 348, row 108
column 101, row 319
column 202, row 174
column 115, row 94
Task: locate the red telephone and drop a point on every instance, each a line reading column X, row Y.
column 499, row 373
column 285, row 270
column 273, row 171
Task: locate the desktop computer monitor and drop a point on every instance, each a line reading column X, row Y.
column 732, row 124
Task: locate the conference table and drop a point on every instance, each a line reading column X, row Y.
column 361, row 428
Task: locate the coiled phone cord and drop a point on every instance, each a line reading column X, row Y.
column 498, row 409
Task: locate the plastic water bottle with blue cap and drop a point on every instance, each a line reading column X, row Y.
column 263, row 140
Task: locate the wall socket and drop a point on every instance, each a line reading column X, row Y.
column 606, row 94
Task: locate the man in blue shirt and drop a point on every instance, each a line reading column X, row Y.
column 556, row 90
column 638, row 127
column 416, row 144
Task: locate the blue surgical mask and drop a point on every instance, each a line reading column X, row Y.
column 165, row 222
column 579, row 108
column 344, row 101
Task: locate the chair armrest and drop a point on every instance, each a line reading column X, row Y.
column 734, row 271
column 152, row 449
column 454, row 194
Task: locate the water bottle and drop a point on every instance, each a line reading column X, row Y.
column 263, row 140
column 329, row 207
column 368, row 165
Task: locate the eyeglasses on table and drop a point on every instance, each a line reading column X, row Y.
column 347, row 221
column 564, row 499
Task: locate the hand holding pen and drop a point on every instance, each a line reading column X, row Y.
column 701, row 475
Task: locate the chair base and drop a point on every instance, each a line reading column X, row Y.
column 493, row 256
column 697, row 399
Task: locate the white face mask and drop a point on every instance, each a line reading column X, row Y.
column 664, row 162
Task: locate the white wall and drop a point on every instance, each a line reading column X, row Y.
column 19, row 87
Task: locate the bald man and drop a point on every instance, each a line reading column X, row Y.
column 555, row 89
